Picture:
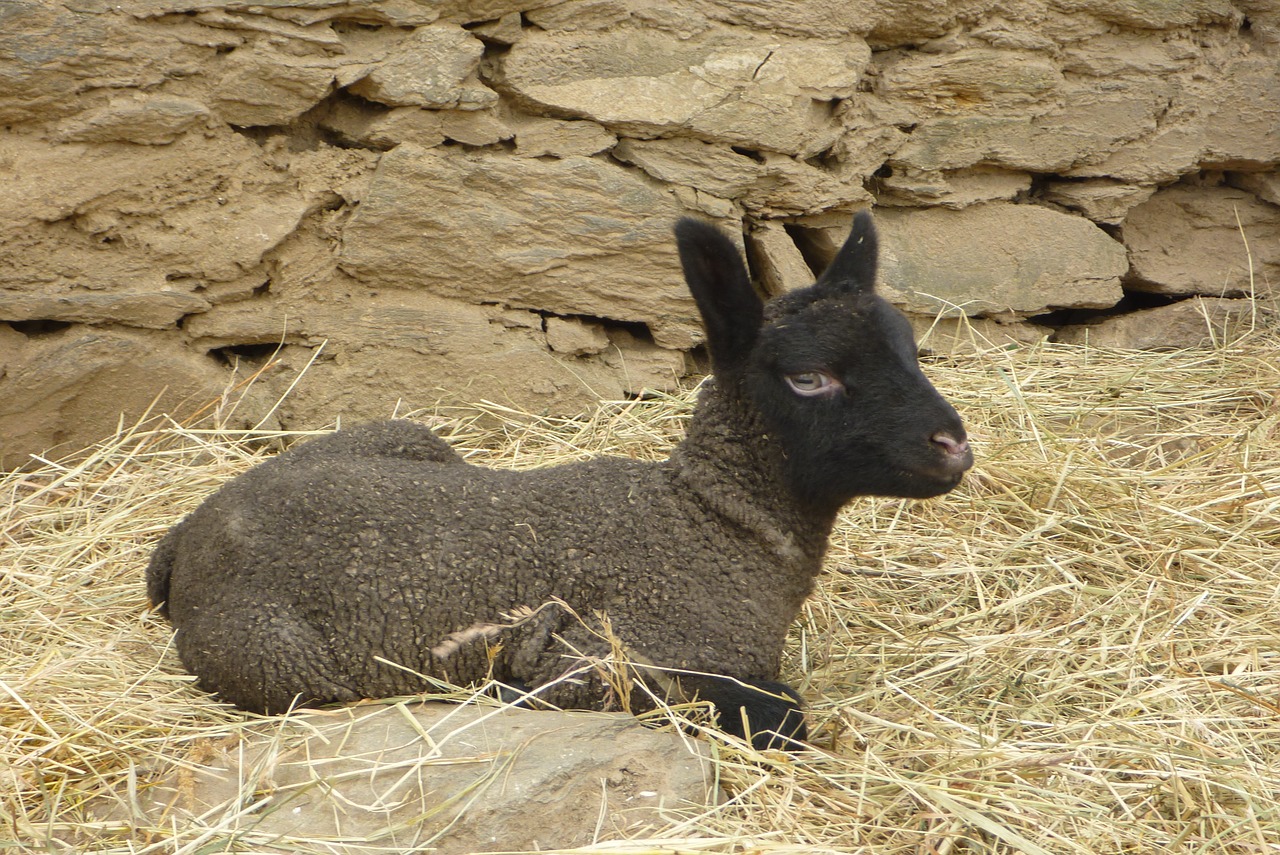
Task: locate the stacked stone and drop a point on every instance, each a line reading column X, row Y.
column 472, row 199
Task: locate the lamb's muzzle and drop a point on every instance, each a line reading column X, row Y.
column 957, row 456
column 352, row 564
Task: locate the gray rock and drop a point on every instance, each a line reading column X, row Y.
column 158, row 309
column 143, row 120
column 62, row 391
column 776, row 260
column 1196, row 322
column 968, row 336
column 262, row 85
column 974, row 75
column 1185, row 240
column 408, row 349
column 957, row 189
column 575, row 236
column 995, row 258
column 448, row 779
column 575, row 337
column 1101, row 200
column 1154, row 15
column 537, row 137
column 737, row 87
column 433, row 66
column 1227, row 112
column 1264, row 185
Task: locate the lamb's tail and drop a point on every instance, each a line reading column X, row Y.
column 159, row 570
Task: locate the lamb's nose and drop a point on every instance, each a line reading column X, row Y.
column 958, row 454
column 950, row 444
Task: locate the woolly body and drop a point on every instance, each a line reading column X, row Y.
column 290, row 584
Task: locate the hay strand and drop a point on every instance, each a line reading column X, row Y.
column 1078, row 651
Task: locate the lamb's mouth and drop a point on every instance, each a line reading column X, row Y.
column 925, row 483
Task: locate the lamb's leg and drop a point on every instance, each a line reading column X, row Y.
column 270, row 664
column 768, row 710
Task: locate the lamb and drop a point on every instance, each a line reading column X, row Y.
column 364, row 563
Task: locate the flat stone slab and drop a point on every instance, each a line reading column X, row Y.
column 434, row 777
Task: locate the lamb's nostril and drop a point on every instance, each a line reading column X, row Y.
column 950, row 444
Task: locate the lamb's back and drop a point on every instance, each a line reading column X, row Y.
column 345, row 551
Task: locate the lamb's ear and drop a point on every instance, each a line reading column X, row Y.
column 854, row 267
column 731, row 310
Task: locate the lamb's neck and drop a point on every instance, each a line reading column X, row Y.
column 731, row 464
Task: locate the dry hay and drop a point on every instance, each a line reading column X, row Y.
column 1078, row 651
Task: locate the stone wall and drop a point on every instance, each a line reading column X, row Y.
column 472, row 199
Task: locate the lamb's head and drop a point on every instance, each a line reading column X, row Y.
column 831, row 370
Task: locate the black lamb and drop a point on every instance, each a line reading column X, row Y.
column 356, row 565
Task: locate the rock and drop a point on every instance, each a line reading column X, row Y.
column 152, row 310
column 451, row 779
column 62, row 391
column 473, row 127
column 894, row 23
column 396, row 13
column 1227, row 114
column 971, row 76
column 1153, row 14
column 1197, row 322
column 642, row 365
column 1101, row 200
column 735, row 87
column 575, row 337
column 433, row 66
column 968, row 336
column 358, row 125
column 1113, row 54
column 711, row 168
column 167, row 159
column 143, row 120
column 574, row 236
column 345, row 384
column 574, row 15
column 1086, row 128
column 1264, row 185
column 769, row 183
column 124, row 221
column 823, row 19
column 51, row 53
column 261, row 85
column 776, row 260
column 366, row 359
column 1185, row 240
column 996, row 258
column 789, row 185
column 958, row 189
column 561, row 138
column 279, row 31
column 506, row 30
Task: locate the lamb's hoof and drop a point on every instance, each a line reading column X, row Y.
column 768, row 711
column 513, row 693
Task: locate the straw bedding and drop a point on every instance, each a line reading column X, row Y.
column 1078, row 651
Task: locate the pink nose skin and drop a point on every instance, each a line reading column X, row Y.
column 951, row 445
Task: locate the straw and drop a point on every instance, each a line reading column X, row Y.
column 1077, row 651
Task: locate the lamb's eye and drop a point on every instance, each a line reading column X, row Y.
column 813, row 384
